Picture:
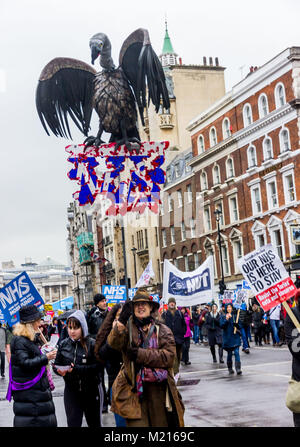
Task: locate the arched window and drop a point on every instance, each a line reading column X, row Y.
column 252, row 160
column 247, row 115
column 213, row 136
column 226, row 128
column 268, row 148
column 229, row 168
column 284, row 139
column 279, row 95
column 204, row 184
column 216, row 174
column 263, row 106
column 201, row 146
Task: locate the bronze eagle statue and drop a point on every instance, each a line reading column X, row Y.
column 70, row 88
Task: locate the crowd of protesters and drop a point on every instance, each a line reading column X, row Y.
column 140, row 347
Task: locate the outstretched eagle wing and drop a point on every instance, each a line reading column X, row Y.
column 143, row 69
column 66, row 87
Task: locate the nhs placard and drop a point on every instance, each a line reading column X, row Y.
column 114, row 294
column 17, row 293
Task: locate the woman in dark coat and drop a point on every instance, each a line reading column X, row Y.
column 231, row 340
column 76, row 363
column 257, row 324
column 29, row 385
column 214, row 333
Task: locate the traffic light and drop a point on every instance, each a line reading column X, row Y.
column 222, row 287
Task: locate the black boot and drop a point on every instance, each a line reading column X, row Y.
column 221, row 354
column 229, row 366
column 238, row 368
column 213, row 353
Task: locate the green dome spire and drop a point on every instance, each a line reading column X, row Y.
column 167, row 47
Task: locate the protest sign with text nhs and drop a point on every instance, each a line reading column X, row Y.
column 267, row 277
column 189, row 288
column 17, row 293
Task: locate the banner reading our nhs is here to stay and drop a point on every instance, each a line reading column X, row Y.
column 267, row 277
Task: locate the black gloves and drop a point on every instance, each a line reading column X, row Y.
column 236, row 325
column 125, row 312
column 132, row 352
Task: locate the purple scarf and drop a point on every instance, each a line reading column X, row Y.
column 16, row 386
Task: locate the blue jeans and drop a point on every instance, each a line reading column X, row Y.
column 196, row 334
column 275, row 326
column 120, row 421
column 236, row 352
column 245, row 336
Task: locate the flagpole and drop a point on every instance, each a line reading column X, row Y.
column 124, row 257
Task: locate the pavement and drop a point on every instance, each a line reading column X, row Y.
column 212, row 397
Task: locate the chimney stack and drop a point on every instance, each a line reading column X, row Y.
column 204, row 60
column 217, row 61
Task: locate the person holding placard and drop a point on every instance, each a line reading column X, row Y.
column 231, row 338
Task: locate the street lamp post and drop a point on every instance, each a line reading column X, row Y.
column 222, row 285
column 134, row 253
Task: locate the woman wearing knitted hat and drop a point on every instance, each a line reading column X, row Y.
column 28, row 381
column 144, row 392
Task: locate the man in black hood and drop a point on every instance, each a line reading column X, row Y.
column 97, row 314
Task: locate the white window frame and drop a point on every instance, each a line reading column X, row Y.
column 222, row 217
column 231, row 211
column 277, row 97
column 285, row 186
column 234, row 241
column 261, row 112
column 183, row 231
column 211, row 248
column 281, row 142
column 192, row 227
column 164, row 238
column 172, row 234
column 201, row 144
column 273, row 241
column 255, row 210
column 213, row 141
column 170, row 203
column 189, row 193
column 204, row 175
column 224, row 247
column 179, row 198
column 246, row 117
column 270, row 196
column 249, row 156
column 229, row 174
column 217, row 179
column 267, row 158
column 226, row 129
column 207, row 221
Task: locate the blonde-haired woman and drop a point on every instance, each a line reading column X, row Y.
column 28, row 381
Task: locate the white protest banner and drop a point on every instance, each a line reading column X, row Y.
column 188, row 288
column 240, row 299
column 228, row 296
column 267, row 277
column 146, row 275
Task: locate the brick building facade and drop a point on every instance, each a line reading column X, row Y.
column 246, row 162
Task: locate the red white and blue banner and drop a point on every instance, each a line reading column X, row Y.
column 103, row 171
column 267, row 277
column 189, row 288
column 17, row 293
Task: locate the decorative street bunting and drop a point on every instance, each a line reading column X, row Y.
column 139, row 191
column 17, row 293
column 267, row 277
column 188, row 288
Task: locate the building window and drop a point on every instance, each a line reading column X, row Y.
column 186, row 263
column 179, row 197
column 177, row 170
column 213, row 137
column 183, row 232
column 189, row 193
column 217, row 178
column 164, row 238
column 146, row 238
column 268, row 149
column 277, row 242
column 196, row 260
column 256, row 199
column 289, row 187
column 247, row 115
column 260, row 241
column 204, row 184
column 234, row 215
column 172, row 234
column 252, row 161
column 207, row 219
column 272, row 194
column 169, row 174
column 201, row 146
column 188, row 167
column 279, row 96
column 176, row 263
column 237, row 252
column 170, row 203
column 221, row 215
column 230, row 168
column 263, row 106
column 284, row 139
column 225, row 259
column 192, row 227
column 226, row 128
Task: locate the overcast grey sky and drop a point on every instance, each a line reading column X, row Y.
column 35, row 190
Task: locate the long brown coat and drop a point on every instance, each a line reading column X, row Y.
column 125, row 401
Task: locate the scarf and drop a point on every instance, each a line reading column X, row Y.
column 143, row 322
